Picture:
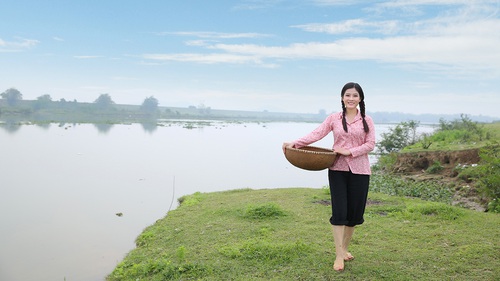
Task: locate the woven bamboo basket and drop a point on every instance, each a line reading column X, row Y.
column 310, row 157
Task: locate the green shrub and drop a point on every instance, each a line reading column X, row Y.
column 426, row 140
column 263, row 211
column 190, row 200
column 432, row 209
column 402, row 135
column 435, row 168
column 487, row 174
column 463, row 130
column 453, row 134
column 386, row 162
column 468, row 173
column 494, row 205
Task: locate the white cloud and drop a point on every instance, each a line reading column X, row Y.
column 335, row 2
column 353, row 26
column 204, row 58
column 215, row 35
column 16, row 46
column 467, row 45
column 452, row 49
column 87, row 57
column 463, row 40
column 404, row 3
column 198, row 43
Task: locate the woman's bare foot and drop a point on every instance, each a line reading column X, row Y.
column 348, row 257
column 338, row 265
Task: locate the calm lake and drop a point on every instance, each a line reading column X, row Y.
column 62, row 185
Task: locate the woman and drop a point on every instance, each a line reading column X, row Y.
column 349, row 177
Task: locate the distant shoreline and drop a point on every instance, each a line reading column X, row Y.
column 73, row 111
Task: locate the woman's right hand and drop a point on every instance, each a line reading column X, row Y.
column 285, row 145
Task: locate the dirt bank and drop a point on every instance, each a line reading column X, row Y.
column 420, row 161
column 415, row 164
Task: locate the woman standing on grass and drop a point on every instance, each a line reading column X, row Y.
column 349, row 177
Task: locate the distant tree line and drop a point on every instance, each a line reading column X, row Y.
column 44, row 107
column 13, row 96
column 104, row 110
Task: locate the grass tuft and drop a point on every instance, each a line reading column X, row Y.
column 439, row 211
column 263, row 211
column 265, row 251
column 190, row 200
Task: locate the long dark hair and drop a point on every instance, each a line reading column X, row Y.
column 358, row 88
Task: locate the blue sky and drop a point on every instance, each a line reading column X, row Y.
column 411, row 56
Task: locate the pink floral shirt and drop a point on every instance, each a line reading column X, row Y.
column 355, row 140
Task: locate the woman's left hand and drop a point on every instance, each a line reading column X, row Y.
column 343, row 151
column 285, row 145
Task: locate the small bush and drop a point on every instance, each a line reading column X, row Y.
column 467, row 173
column 190, row 200
column 403, row 134
column 489, row 168
column 435, row 168
column 436, row 210
column 494, row 205
column 181, row 254
column 264, row 211
column 426, row 141
column 486, row 174
column 385, row 162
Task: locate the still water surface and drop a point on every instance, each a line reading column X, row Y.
column 62, row 185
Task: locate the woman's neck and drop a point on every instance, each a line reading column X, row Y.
column 350, row 113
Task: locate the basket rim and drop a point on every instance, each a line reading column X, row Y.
column 329, row 152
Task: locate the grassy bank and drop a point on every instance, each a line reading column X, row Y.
column 284, row 234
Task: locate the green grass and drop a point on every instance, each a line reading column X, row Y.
column 284, row 234
column 459, row 139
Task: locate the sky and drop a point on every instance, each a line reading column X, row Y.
column 410, row 56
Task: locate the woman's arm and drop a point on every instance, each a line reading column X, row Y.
column 320, row 132
column 369, row 143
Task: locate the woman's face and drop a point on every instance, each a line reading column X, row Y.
column 351, row 98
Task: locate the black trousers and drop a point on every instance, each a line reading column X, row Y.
column 349, row 193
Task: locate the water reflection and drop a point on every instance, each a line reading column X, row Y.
column 10, row 126
column 43, row 125
column 149, row 127
column 103, row 127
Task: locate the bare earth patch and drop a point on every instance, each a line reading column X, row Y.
column 413, row 165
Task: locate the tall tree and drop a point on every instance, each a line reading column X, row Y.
column 43, row 101
column 404, row 134
column 12, row 96
column 104, row 101
column 150, row 105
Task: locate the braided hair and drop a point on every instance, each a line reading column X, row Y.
column 358, row 88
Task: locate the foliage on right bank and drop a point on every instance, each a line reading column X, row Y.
column 458, row 134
